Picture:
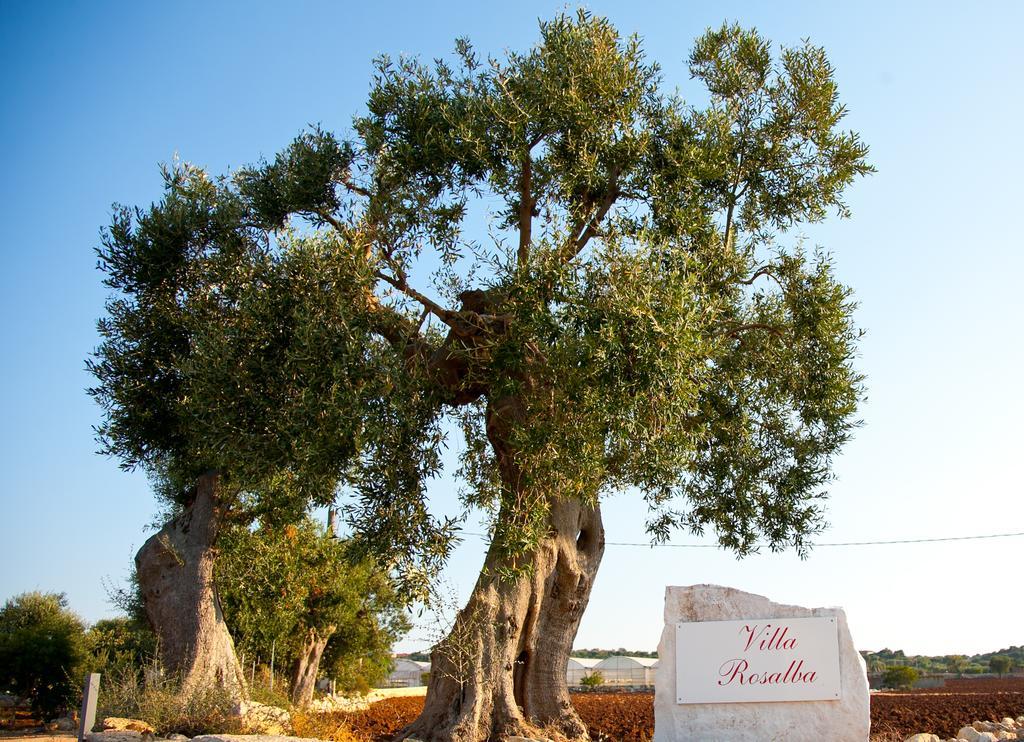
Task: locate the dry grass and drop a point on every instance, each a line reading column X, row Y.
column 332, row 726
column 159, row 701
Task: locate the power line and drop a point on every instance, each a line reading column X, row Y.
column 923, row 540
column 842, row 543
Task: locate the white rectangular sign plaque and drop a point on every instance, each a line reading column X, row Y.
column 752, row 660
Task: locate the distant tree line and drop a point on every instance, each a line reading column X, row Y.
column 601, row 654
column 998, row 662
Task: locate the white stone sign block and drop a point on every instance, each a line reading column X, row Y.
column 843, row 719
column 756, row 660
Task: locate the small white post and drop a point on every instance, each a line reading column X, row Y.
column 87, row 719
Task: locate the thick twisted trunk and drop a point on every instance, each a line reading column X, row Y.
column 175, row 572
column 502, row 670
column 307, row 666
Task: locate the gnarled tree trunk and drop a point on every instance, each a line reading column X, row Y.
column 175, row 572
column 502, row 670
column 307, row 666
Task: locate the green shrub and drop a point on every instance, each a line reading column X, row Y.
column 593, row 680
column 900, row 677
column 276, row 693
column 144, row 693
column 1000, row 664
column 119, row 644
column 42, row 652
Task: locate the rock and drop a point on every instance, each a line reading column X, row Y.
column 260, row 718
column 985, row 726
column 845, row 720
column 116, row 735
column 973, row 735
column 1004, row 734
column 177, row 738
column 1008, row 723
column 65, row 724
column 923, row 738
column 120, row 724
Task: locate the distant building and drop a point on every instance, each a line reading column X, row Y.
column 620, row 670
column 578, row 668
column 407, row 673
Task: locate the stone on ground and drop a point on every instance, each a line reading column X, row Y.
column 121, row 724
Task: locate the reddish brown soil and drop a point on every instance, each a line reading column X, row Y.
column 629, row 717
column 895, row 716
column 617, row 716
column 962, row 686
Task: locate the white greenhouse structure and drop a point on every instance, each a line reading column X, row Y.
column 578, row 668
column 407, row 673
column 620, row 670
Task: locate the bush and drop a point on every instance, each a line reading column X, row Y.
column 42, row 651
column 900, row 677
column 119, row 644
column 263, row 691
column 144, row 693
column 1000, row 664
column 593, row 680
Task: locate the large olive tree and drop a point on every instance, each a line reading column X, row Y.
column 238, row 368
column 631, row 316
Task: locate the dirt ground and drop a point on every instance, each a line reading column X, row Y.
column 629, row 717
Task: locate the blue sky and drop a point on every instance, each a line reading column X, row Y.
column 95, row 95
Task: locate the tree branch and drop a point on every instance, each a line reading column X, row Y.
column 762, row 271
column 338, row 226
column 733, row 198
column 526, row 203
column 349, row 185
column 447, row 316
column 576, row 245
column 736, row 328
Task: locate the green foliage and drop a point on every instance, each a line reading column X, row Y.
column 592, row 680
column 276, row 584
column 876, row 665
column 118, row 645
column 42, row 651
column 272, row 690
column 900, row 677
column 958, row 663
column 635, row 318
column 1000, row 664
column 951, row 663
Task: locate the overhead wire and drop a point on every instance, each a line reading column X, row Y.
column 836, row 543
